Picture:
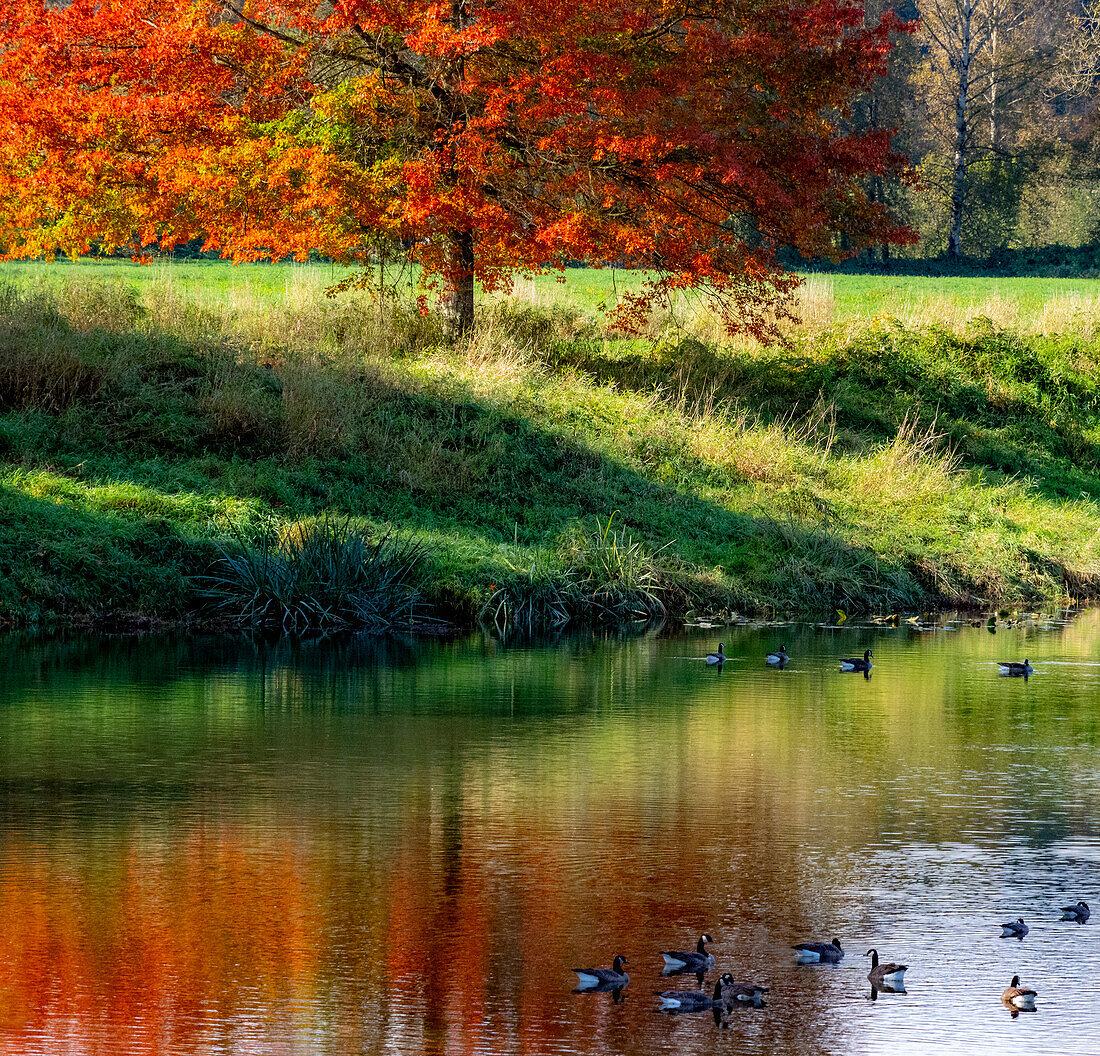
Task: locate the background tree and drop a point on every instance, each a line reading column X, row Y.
column 886, row 106
column 981, row 95
column 488, row 135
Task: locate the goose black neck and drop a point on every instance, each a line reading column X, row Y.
column 701, row 946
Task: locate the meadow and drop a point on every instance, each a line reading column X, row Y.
column 192, row 441
column 1032, row 304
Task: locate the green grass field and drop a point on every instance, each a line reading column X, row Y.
column 832, row 298
column 915, row 443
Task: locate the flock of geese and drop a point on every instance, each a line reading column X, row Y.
column 780, row 657
column 884, row 977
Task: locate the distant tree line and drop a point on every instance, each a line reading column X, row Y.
column 997, row 104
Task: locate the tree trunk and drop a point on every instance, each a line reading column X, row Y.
column 965, row 11
column 458, row 299
column 993, row 85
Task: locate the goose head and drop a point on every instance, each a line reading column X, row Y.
column 873, row 954
column 836, row 943
column 867, row 655
column 617, row 964
column 1015, row 981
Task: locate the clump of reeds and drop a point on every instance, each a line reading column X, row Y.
column 316, row 575
column 598, row 574
column 539, row 593
column 618, row 576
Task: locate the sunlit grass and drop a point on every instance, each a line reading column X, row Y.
column 868, row 464
column 825, row 300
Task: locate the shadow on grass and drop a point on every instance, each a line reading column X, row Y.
column 202, row 427
column 481, row 484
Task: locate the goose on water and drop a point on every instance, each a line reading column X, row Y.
column 686, row 1000
column 731, row 992
column 777, row 659
column 1014, row 929
column 887, row 975
column 855, row 663
column 718, row 657
column 1015, row 668
column 1017, row 996
column 593, row 977
column 1079, row 912
column 697, row 960
column 818, row 952
column 692, row 1000
column 727, row 992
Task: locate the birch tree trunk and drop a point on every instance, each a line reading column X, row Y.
column 965, row 10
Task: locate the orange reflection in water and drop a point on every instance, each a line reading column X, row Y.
column 150, row 947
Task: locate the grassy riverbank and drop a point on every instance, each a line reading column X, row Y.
column 904, row 450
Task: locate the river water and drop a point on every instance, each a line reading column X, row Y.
column 214, row 846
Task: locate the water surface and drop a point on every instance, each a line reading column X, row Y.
column 209, row 846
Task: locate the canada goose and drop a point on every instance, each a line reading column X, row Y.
column 588, row 978
column 696, row 960
column 718, row 657
column 887, row 975
column 854, row 663
column 1017, row 996
column 1079, row 912
column 731, row 992
column 1015, row 668
column 689, row 1000
column 1014, row 929
column 818, row 952
column 777, row 659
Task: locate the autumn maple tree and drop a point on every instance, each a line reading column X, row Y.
column 485, row 137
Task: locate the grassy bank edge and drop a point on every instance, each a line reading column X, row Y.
column 871, row 469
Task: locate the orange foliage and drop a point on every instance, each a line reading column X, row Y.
column 693, row 137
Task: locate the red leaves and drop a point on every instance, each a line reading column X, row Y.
column 691, row 138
